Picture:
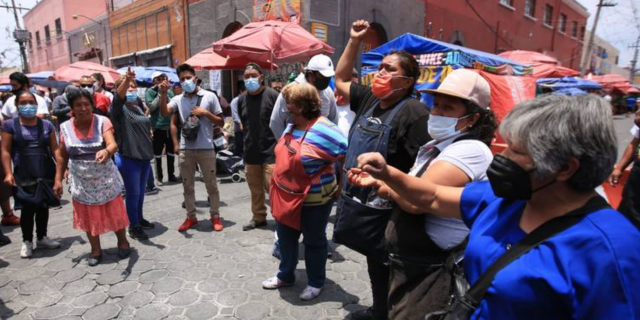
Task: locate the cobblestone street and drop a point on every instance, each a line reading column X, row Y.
column 199, row 274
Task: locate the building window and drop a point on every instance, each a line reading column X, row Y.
column 530, row 8
column 47, row 34
column 562, row 23
column 574, row 29
column 548, row 15
column 508, row 3
column 58, row 28
column 583, row 30
column 30, row 42
column 38, row 39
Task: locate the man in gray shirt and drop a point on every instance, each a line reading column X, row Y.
column 318, row 73
column 199, row 151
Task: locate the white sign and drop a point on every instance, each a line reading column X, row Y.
column 215, row 81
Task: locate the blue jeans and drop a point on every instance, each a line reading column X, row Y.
column 314, row 221
column 134, row 174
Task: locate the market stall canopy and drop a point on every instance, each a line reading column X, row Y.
column 143, row 74
column 608, row 80
column 4, row 80
column 529, row 57
column 553, row 71
column 271, row 41
column 81, row 68
column 568, row 83
column 209, row 60
column 46, row 79
column 431, row 52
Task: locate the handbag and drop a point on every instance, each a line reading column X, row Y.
column 463, row 305
column 191, row 124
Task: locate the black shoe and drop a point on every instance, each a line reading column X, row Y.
column 149, row 192
column 94, row 261
column 124, row 253
column 184, row 206
column 136, row 232
column 364, row 314
column 173, row 178
column 253, row 224
column 4, row 240
column 145, row 224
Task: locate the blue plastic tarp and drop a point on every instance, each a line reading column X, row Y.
column 568, row 83
column 5, row 88
column 570, row 92
column 458, row 56
column 143, row 74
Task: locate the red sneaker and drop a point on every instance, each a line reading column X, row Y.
column 188, row 224
column 10, row 220
column 217, row 224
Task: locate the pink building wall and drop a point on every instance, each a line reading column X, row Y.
column 50, row 56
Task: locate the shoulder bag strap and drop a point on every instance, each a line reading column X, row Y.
column 396, row 110
column 532, row 240
column 17, row 131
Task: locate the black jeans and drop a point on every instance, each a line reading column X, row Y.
column 27, row 217
column 379, row 275
column 162, row 141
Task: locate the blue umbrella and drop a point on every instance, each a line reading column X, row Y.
column 569, row 83
column 45, row 79
column 143, row 74
column 5, row 88
column 570, row 92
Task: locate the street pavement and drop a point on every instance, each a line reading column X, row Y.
column 199, row 274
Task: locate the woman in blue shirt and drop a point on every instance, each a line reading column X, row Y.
column 559, row 150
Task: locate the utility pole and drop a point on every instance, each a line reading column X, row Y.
column 632, row 72
column 21, row 36
column 587, row 57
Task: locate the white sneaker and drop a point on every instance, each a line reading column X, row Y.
column 275, row 283
column 27, row 249
column 46, row 243
column 310, row 293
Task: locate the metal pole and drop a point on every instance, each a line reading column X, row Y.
column 23, row 52
column 587, row 58
column 632, row 71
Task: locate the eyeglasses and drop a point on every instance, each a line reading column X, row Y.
column 86, row 85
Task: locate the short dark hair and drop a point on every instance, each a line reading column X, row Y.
column 75, row 94
column 20, row 78
column 485, row 128
column 17, row 101
column 185, row 67
column 254, row 66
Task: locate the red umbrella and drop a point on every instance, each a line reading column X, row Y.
column 553, row 71
column 83, row 68
column 4, row 80
column 529, row 57
column 209, row 60
column 275, row 41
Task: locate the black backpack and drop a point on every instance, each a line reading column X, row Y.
column 191, row 125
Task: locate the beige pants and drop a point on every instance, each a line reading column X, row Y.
column 259, row 180
column 206, row 159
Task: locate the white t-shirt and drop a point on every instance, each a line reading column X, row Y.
column 183, row 105
column 635, row 132
column 345, row 119
column 472, row 157
column 109, row 95
column 9, row 109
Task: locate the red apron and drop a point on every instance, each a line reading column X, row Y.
column 289, row 181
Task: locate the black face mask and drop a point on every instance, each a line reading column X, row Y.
column 510, row 181
column 321, row 82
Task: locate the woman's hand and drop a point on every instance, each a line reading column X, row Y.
column 57, row 189
column 359, row 178
column 131, row 75
column 374, row 164
column 102, row 156
column 359, row 30
column 10, row 180
column 614, row 178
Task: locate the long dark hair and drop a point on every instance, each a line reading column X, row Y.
column 485, row 128
column 100, row 78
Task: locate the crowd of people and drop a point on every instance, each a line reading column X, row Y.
column 446, row 226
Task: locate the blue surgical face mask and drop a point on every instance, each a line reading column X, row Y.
column 440, row 128
column 188, row 85
column 28, row 110
column 252, row 84
column 132, row 96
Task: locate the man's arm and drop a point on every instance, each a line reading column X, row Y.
column 278, row 120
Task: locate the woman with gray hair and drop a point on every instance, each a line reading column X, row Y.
column 539, row 233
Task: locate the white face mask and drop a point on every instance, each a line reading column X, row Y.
column 440, row 128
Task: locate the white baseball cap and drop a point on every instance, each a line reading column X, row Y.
column 322, row 64
column 467, row 85
column 157, row 74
